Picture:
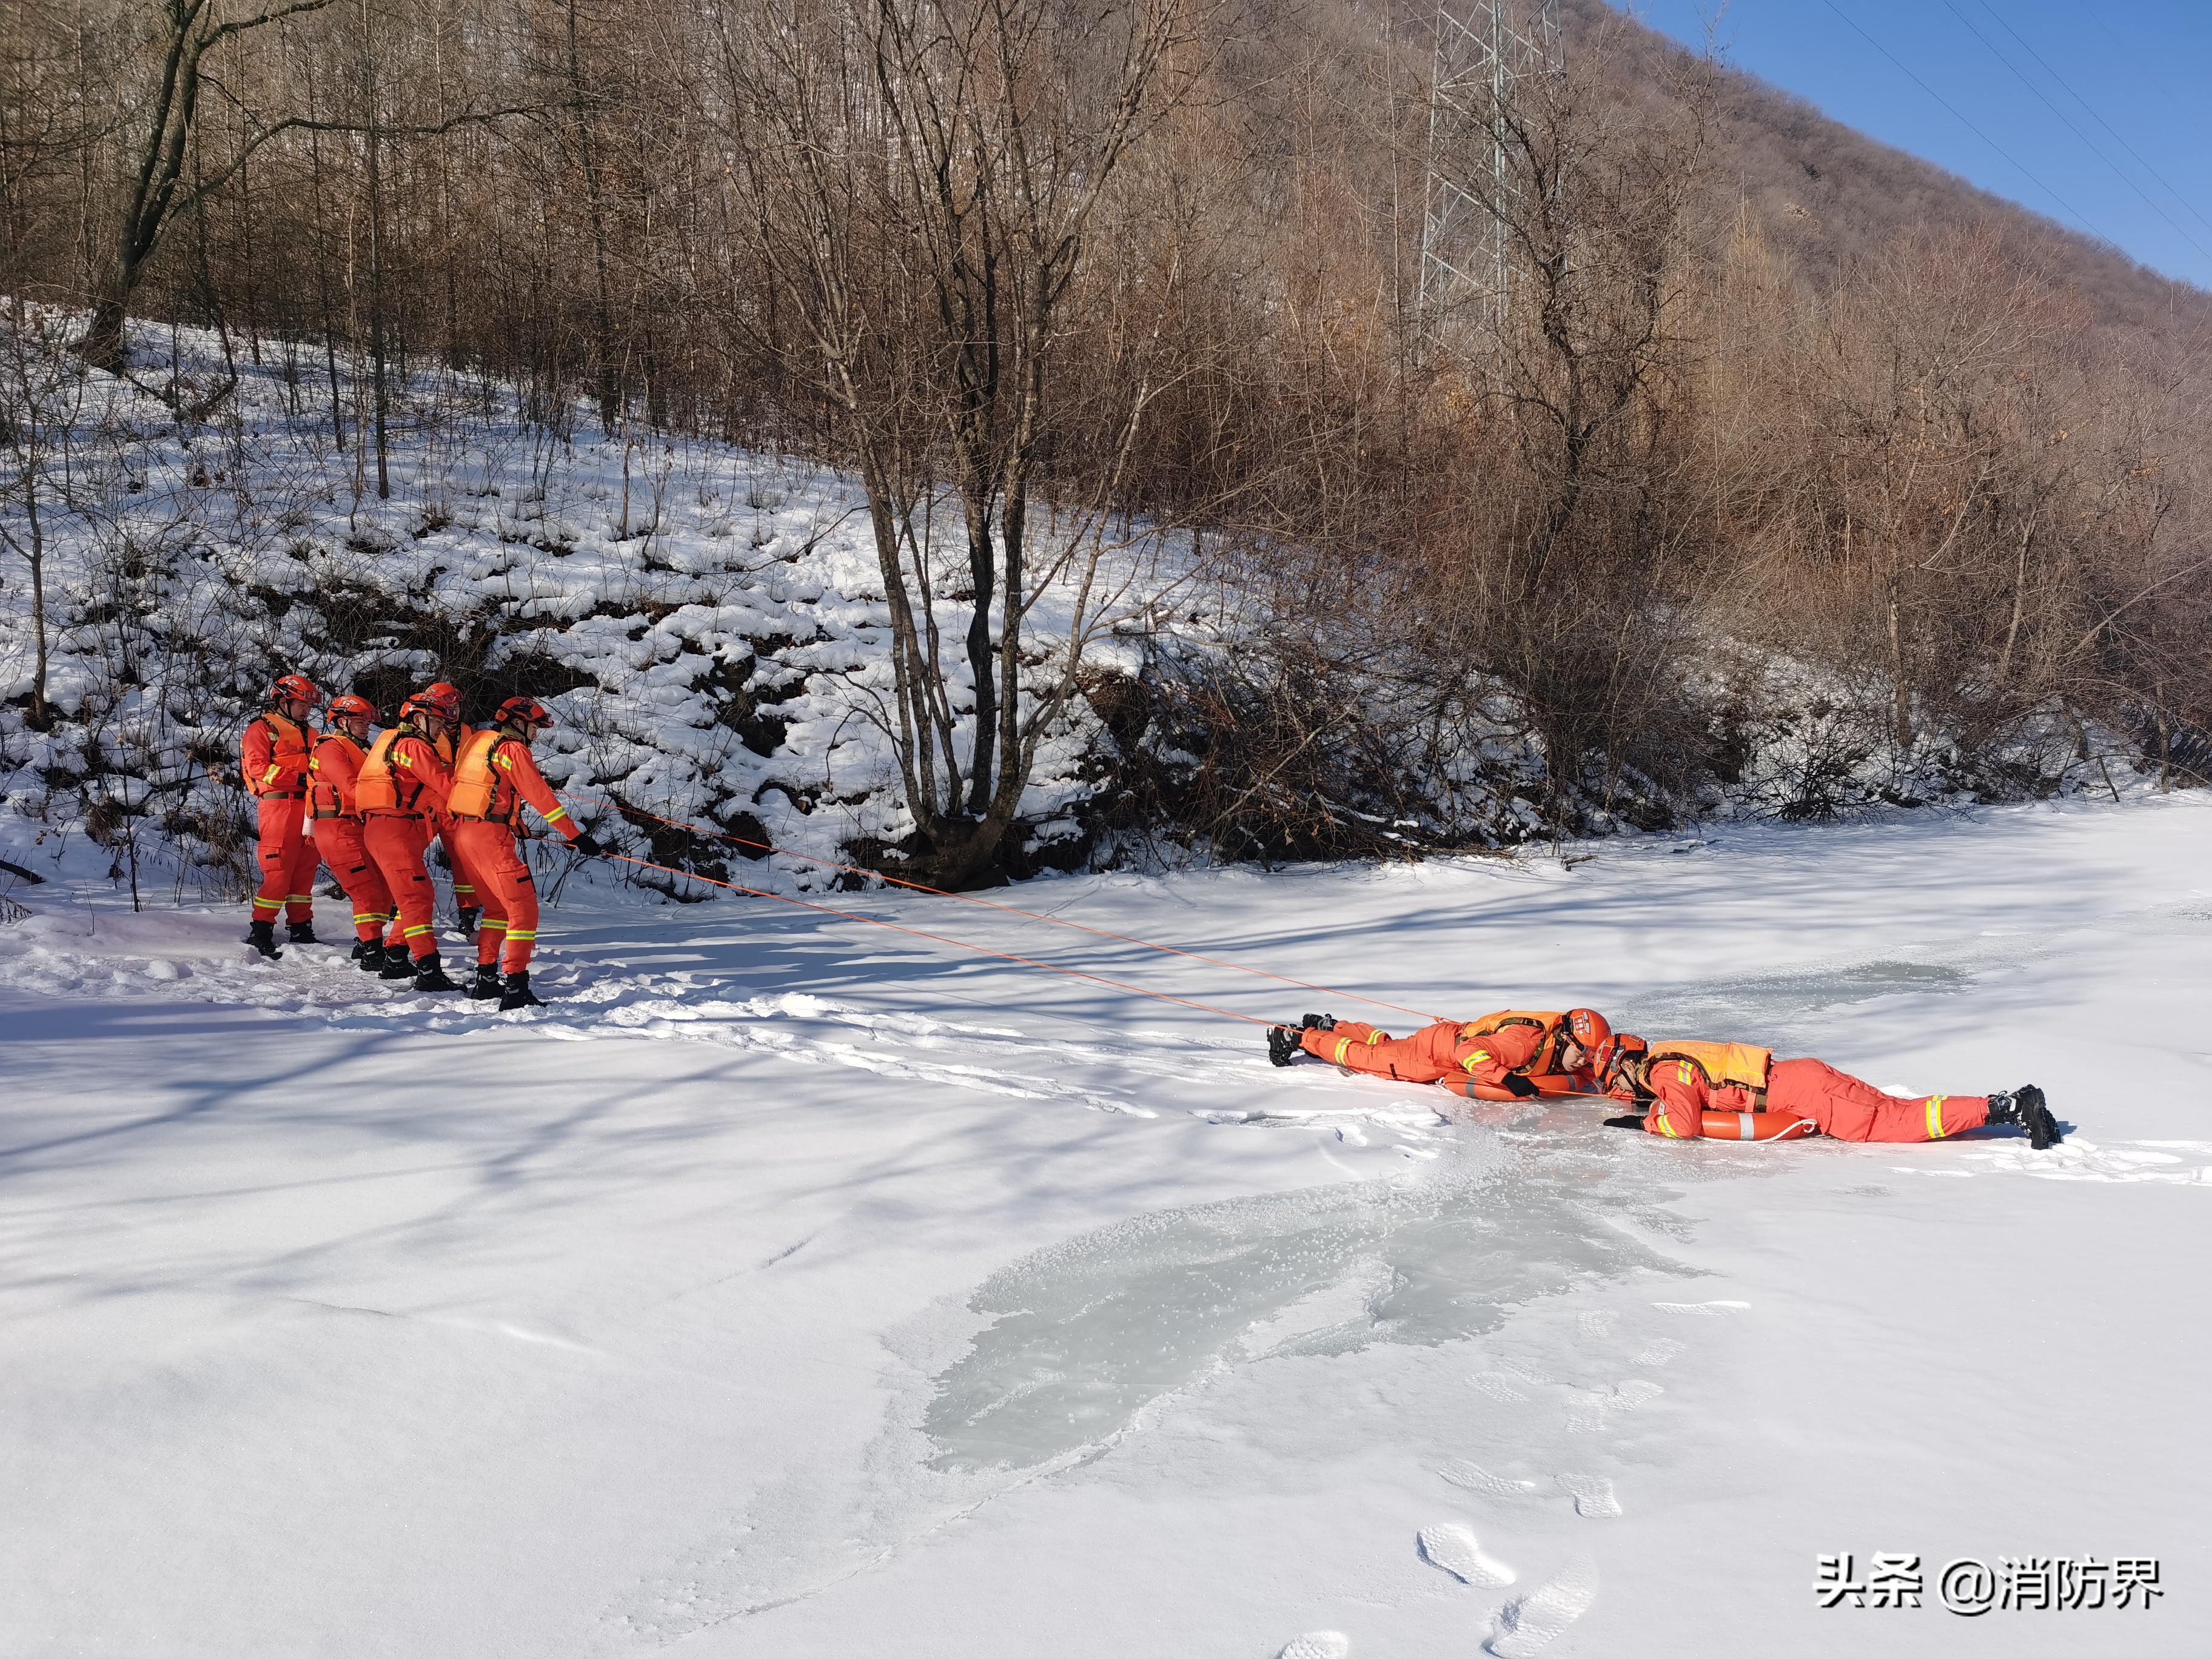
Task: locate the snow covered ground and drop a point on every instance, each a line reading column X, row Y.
column 793, row 1287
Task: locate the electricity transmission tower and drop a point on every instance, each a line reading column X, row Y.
column 1485, row 49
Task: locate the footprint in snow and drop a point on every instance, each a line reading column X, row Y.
column 1460, row 1473
column 1452, row 1547
column 1593, row 1496
column 1537, row 1619
column 1317, row 1644
column 1659, row 1352
column 1587, row 1408
column 1704, row 1310
column 1497, row 1385
column 1596, row 1324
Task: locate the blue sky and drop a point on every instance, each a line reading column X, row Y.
column 2046, row 101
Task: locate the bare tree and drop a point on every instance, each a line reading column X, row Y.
column 923, row 176
column 187, row 31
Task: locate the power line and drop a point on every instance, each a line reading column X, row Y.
column 2187, row 206
column 2079, row 217
column 2087, row 143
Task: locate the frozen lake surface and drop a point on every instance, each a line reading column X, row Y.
column 795, row 1288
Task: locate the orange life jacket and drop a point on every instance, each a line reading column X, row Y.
column 1724, row 1065
column 379, row 788
column 326, row 802
column 476, row 785
column 1547, row 1057
column 289, row 742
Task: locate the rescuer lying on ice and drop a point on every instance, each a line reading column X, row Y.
column 1732, row 1090
column 1514, row 1054
column 494, row 777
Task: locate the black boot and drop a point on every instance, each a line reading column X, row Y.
column 397, row 964
column 515, row 992
column 361, row 949
column 1282, row 1045
column 486, row 988
column 471, row 916
column 2025, row 1108
column 300, row 933
column 262, row 936
column 430, row 975
column 369, row 955
column 1318, row 1022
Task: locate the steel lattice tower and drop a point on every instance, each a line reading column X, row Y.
column 1484, row 49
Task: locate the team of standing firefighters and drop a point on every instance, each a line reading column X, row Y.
column 368, row 808
column 1680, row 1088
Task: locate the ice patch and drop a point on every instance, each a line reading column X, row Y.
column 1780, row 1007
column 1087, row 1333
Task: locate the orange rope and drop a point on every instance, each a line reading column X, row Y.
column 1012, row 911
column 940, row 938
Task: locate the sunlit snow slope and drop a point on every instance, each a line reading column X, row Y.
column 792, row 1287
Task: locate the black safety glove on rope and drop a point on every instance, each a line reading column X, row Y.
column 588, row 846
column 1519, row 1086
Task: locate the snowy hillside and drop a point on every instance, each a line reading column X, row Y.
column 707, row 621
column 794, row 1288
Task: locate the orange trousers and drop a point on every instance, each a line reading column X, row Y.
column 509, row 933
column 1424, row 1057
column 288, row 861
column 1850, row 1109
column 396, row 844
column 347, row 854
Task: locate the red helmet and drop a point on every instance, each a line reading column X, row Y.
column 525, row 709
column 1612, row 1053
column 441, row 699
column 294, row 688
column 350, row 704
column 1590, row 1029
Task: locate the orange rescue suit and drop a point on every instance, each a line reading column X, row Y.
column 464, row 880
column 1472, row 1059
column 402, row 777
column 1685, row 1079
column 337, row 822
column 273, row 758
column 496, row 774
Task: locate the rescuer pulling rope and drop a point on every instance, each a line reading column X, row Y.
column 494, row 775
column 1517, row 1054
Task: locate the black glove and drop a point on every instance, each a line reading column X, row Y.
column 1519, row 1087
column 1631, row 1121
column 588, row 846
